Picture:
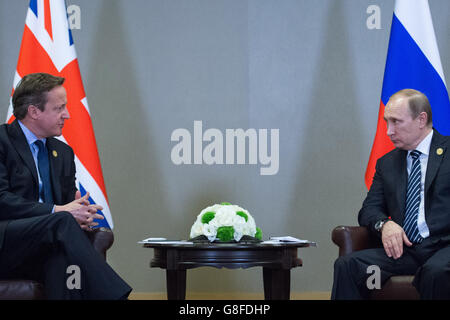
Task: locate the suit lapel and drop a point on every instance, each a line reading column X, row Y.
column 55, row 169
column 401, row 177
column 20, row 143
column 437, row 151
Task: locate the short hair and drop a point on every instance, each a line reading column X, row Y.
column 417, row 103
column 32, row 90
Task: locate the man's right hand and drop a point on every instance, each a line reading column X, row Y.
column 83, row 212
column 393, row 236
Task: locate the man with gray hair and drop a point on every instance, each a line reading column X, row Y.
column 407, row 207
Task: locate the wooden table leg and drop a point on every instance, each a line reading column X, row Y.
column 277, row 284
column 176, row 284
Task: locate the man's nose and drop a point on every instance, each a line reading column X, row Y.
column 390, row 130
column 66, row 114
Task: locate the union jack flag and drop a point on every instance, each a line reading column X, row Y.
column 47, row 46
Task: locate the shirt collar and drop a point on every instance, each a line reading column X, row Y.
column 424, row 145
column 31, row 137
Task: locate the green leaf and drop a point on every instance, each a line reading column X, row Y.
column 225, row 233
column 258, row 234
column 243, row 215
column 208, row 216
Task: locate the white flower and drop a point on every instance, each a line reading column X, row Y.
column 209, row 231
column 197, row 229
column 224, row 216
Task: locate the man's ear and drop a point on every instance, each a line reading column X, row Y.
column 33, row 111
column 423, row 118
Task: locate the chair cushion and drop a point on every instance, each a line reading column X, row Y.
column 397, row 288
column 21, row 290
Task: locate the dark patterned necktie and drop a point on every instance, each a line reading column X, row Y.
column 44, row 172
column 413, row 200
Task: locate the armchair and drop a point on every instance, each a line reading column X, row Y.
column 24, row 289
column 353, row 238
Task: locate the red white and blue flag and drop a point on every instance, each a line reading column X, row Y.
column 412, row 62
column 47, row 46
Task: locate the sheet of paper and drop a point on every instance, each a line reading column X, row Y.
column 287, row 239
column 166, row 242
column 153, row 239
column 163, row 241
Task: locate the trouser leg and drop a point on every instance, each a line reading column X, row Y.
column 53, row 243
column 432, row 280
column 352, row 271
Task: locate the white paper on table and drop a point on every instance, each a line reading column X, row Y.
column 153, row 239
column 287, row 239
column 163, row 241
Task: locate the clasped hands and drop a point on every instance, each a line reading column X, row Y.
column 83, row 212
column 393, row 236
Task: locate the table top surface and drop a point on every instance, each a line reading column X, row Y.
column 226, row 246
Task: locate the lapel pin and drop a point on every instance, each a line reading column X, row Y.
column 439, row 151
column 55, row 154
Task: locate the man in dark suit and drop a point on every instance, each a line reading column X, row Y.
column 407, row 207
column 42, row 215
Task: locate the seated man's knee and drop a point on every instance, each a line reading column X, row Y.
column 63, row 219
column 344, row 263
column 341, row 262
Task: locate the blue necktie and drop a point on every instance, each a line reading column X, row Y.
column 413, row 200
column 44, row 172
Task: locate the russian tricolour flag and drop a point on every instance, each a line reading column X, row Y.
column 47, row 46
column 412, row 62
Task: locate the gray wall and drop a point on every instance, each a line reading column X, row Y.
column 311, row 69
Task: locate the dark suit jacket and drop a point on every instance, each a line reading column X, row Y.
column 387, row 195
column 19, row 185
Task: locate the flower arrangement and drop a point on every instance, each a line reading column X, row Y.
column 225, row 222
